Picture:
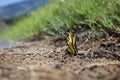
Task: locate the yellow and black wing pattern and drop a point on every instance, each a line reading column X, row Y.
column 71, row 43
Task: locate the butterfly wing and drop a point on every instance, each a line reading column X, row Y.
column 71, row 44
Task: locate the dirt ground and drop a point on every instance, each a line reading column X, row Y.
column 97, row 59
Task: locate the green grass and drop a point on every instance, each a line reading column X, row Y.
column 97, row 14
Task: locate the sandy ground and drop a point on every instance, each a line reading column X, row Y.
column 43, row 60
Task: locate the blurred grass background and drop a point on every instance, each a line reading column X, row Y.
column 97, row 14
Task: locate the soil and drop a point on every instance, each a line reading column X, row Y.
column 97, row 59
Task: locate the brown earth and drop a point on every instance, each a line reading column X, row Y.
column 46, row 60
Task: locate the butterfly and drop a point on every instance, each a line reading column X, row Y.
column 71, row 43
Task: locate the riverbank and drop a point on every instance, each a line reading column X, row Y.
column 42, row 55
column 46, row 60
